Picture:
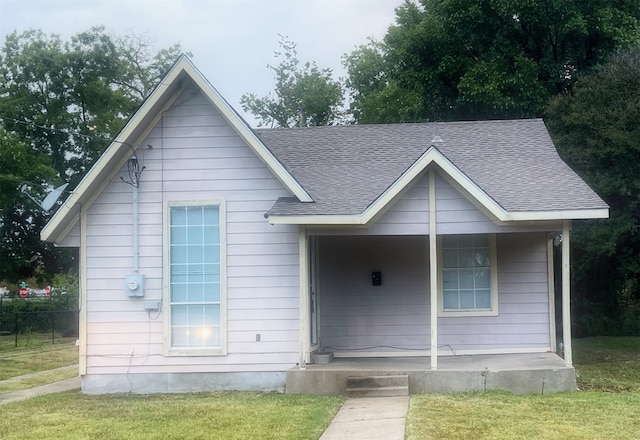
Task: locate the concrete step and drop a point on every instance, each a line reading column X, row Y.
column 378, row 386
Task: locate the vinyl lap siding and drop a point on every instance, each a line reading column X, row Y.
column 523, row 300
column 357, row 316
column 194, row 155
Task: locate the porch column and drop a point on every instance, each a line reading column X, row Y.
column 566, row 293
column 433, row 269
column 303, row 255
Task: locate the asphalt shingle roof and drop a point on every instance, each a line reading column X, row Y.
column 346, row 168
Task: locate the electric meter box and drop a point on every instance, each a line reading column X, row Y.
column 135, row 284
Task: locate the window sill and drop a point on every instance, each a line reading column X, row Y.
column 192, row 352
column 463, row 313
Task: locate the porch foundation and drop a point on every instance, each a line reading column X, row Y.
column 531, row 373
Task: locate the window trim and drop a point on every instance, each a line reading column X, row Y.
column 166, row 280
column 494, row 283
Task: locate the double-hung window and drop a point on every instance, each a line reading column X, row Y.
column 468, row 275
column 196, row 278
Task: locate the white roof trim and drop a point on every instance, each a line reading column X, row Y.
column 58, row 226
column 479, row 196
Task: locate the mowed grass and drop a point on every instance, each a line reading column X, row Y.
column 29, row 365
column 38, row 355
column 607, row 407
column 222, row 415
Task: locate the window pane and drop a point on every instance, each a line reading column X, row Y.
column 211, row 254
column 483, row 299
column 179, row 315
column 481, row 241
column 178, row 292
column 450, row 241
column 450, row 279
column 212, row 292
column 467, row 299
column 195, row 254
column 211, row 315
column 211, row 215
column 450, row 299
column 178, row 235
column 466, row 279
column 178, row 254
column 196, row 292
column 211, row 273
column 450, row 258
column 178, row 216
column 194, row 215
column 482, row 279
column 212, row 234
column 465, row 241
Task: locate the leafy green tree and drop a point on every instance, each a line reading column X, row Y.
column 597, row 131
column 302, row 97
column 483, row 59
column 60, row 104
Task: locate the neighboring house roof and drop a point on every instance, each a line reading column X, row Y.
column 352, row 173
column 181, row 74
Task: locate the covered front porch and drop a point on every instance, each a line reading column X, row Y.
column 522, row 373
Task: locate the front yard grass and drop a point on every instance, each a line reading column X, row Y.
column 35, row 355
column 607, row 407
column 38, row 355
column 221, row 415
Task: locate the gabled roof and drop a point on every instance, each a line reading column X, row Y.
column 509, row 168
column 181, row 74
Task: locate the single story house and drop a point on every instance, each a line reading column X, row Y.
column 217, row 256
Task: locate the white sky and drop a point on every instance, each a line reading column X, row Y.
column 231, row 41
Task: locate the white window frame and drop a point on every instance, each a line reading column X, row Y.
column 494, row 283
column 195, row 351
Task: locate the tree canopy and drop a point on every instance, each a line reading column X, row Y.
column 483, row 59
column 61, row 103
column 302, row 97
column 597, row 131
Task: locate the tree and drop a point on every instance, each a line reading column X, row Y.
column 302, row 97
column 597, row 131
column 61, row 103
column 483, row 59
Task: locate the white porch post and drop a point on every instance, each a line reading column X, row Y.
column 433, row 269
column 552, row 297
column 305, row 342
column 566, row 293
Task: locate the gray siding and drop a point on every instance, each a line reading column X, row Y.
column 195, row 155
column 356, row 316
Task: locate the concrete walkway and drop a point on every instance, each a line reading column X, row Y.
column 369, row 418
column 56, row 387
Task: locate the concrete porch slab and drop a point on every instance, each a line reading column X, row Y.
column 524, row 373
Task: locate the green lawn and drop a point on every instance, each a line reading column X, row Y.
column 233, row 415
column 608, row 407
column 38, row 355
column 33, row 355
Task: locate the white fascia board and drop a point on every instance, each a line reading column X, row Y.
column 245, row 132
column 316, row 220
column 572, row 214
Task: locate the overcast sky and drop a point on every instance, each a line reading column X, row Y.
column 231, row 41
